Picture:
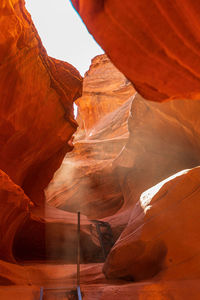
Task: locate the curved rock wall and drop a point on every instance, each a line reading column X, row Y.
column 85, row 180
column 155, row 44
column 130, row 145
column 104, row 90
column 128, row 151
column 15, row 210
column 36, row 110
column 162, row 234
column 36, row 126
column 163, row 140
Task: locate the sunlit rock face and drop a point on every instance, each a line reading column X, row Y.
column 128, row 151
column 36, row 111
column 112, row 184
column 104, row 90
column 36, row 126
column 155, row 44
column 85, row 180
column 161, row 238
column 129, row 145
column 163, row 139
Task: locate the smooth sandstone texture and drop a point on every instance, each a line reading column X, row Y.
column 163, row 140
column 154, row 43
column 161, row 237
column 85, row 180
column 162, row 234
column 36, row 112
column 128, row 151
column 14, row 211
column 104, row 90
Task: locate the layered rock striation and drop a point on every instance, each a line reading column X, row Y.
column 127, row 152
column 15, row 210
column 37, row 93
column 36, row 125
column 85, row 180
column 104, row 90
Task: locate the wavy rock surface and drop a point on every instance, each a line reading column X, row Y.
column 36, row 109
column 155, row 44
column 109, row 175
column 14, row 211
column 112, row 164
column 162, row 234
column 85, row 180
column 86, row 176
column 164, row 139
column 104, row 90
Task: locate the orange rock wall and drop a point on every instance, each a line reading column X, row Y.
column 15, row 210
column 162, row 235
column 159, row 140
column 128, row 151
column 36, row 110
column 154, row 43
column 130, row 145
column 104, row 90
column 86, row 176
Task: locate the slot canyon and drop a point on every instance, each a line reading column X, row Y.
column 129, row 162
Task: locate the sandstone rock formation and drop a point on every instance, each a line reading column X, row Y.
column 162, row 234
column 163, row 140
column 125, row 146
column 108, row 170
column 15, row 209
column 86, row 174
column 155, row 44
column 36, row 109
column 104, row 90
column 125, row 153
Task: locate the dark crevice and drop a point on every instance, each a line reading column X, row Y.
column 53, row 242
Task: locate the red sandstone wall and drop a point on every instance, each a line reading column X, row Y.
column 104, row 90
column 154, row 43
column 36, row 110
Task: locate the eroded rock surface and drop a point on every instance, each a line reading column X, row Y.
column 159, row 140
column 104, row 90
column 36, row 110
column 86, row 181
column 14, row 210
column 129, row 145
column 162, row 234
column 104, row 178
column 155, row 44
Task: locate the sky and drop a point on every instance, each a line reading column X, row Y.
column 63, row 34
